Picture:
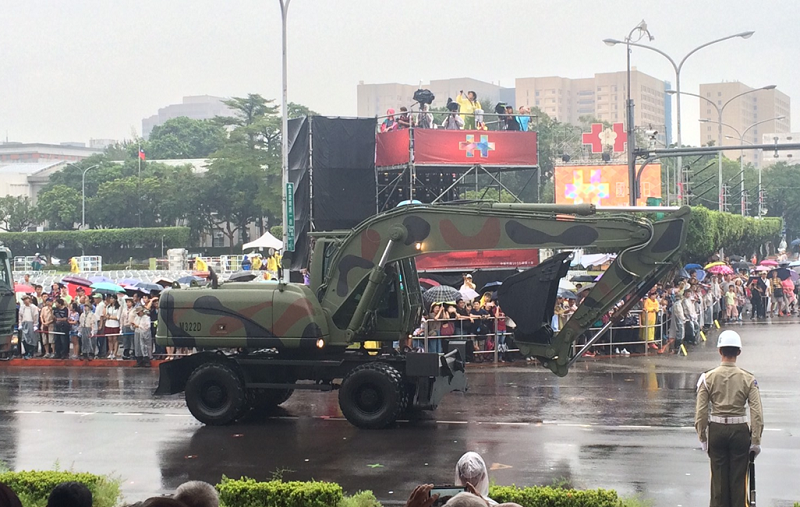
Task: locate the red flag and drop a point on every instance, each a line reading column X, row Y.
column 141, row 154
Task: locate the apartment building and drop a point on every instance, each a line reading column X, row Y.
column 747, row 114
column 603, row 97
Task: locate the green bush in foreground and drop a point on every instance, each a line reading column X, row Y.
column 554, row 497
column 251, row 493
column 34, row 487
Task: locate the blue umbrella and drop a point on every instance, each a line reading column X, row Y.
column 128, row 281
column 99, row 279
column 692, row 266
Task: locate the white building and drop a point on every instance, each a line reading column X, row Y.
column 27, row 180
column 198, row 107
column 15, row 153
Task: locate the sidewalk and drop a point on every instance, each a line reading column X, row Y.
column 95, row 363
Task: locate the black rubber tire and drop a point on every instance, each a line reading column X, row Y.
column 372, row 396
column 215, row 394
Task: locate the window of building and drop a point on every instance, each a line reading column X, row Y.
column 218, row 239
column 537, row 93
column 719, row 94
column 708, row 94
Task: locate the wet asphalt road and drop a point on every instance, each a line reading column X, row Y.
column 624, row 423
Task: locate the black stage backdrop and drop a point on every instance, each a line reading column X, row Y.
column 299, row 165
column 343, row 171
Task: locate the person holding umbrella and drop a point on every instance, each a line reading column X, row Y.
column 721, row 422
column 758, row 290
column 113, row 312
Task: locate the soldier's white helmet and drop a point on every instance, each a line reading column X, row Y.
column 729, row 338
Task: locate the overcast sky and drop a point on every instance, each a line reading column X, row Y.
column 70, row 71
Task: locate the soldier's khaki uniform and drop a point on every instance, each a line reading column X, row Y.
column 727, row 389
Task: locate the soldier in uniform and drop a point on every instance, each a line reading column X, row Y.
column 724, row 432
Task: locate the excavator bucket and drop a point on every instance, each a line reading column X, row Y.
column 633, row 273
column 529, row 298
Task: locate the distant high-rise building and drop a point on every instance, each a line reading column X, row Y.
column 602, row 97
column 742, row 116
column 199, row 107
column 376, row 99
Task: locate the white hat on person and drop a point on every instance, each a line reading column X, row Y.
column 729, row 338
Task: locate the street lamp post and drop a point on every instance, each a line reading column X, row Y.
column 677, row 67
column 284, row 129
column 641, row 28
column 720, row 110
column 83, row 192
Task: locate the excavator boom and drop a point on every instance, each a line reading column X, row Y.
column 646, row 252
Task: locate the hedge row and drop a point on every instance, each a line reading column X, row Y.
column 246, row 492
column 711, row 230
column 28, row 243
column 554, row 497
column 34, row 487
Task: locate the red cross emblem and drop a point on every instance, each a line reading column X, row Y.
column 599, row 137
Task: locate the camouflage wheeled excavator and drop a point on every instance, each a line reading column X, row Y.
column 261, row 341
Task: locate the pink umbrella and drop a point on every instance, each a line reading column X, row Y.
column 720, row 270
column 762, row 268
column 769, row 262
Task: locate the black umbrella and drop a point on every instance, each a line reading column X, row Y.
column 795, row 242
column 582, row 278
column 736, row 258
column 741, row 265
column 585, row 287
column 150, row 287
column 243, row 276
column 440, row 294
column 490, row 287
column 783, row 273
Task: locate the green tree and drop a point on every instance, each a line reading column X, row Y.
column 488, row 194
column 184, row 138
column 60, row 206
column 781, row 184
column 17, row 213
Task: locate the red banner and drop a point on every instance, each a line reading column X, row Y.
column 475, row 147
column 484, row 259
column 391, row 148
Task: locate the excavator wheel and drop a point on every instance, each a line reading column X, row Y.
column 372, row 396
column 215, row 394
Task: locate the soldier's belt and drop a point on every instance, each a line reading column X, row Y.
column 728, row 420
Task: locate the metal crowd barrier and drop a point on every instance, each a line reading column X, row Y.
column 660, row 335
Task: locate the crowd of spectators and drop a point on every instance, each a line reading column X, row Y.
column 672, row 314
column 54, row 325
column 464, row 113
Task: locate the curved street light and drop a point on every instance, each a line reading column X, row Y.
column 741, row 157
column 677, row 67
column 720, row 110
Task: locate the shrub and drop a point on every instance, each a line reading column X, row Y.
column 360, row 499
column 251, row 493
column 554, row 497
column 34, row 487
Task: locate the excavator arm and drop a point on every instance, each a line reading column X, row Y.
column 647, row 250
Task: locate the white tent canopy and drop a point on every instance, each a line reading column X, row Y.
column 265, row 241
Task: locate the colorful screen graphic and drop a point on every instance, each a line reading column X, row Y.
column 604, row 185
